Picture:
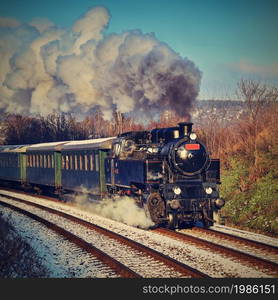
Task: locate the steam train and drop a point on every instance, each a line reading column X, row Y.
column 167, row 170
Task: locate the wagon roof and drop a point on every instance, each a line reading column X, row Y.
column 52, row 146
column 102, row 143
column 13, row 148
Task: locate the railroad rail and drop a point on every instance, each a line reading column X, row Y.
column 270, row 266
column 238, row 239
column 115, row 265
column 183, row 269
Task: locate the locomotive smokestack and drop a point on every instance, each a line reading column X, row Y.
column 185, row 128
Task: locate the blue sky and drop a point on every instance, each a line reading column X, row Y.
column 227, row 40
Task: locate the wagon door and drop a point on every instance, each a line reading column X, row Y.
column 102, row 181
column 22, row 165
column 58, row 169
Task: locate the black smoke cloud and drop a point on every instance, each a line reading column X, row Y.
column 45, row 69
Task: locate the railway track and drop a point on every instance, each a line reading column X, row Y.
column 109, row 261
column 237, row 239
column 270, row 266
column 157, row 262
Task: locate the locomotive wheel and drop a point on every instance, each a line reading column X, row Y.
column 207, row 218
column 156, row 207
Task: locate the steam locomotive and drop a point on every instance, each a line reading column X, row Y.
column 168, row 171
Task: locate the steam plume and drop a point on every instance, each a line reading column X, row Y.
column 122, row 209
column 44, row 69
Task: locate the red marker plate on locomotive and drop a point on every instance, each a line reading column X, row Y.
column 192, row 146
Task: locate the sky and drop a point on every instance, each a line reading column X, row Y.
column 227, row 40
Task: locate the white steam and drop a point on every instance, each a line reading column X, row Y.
column 44, row 69
column 118, row 208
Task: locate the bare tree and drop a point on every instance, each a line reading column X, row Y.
column 256, row 96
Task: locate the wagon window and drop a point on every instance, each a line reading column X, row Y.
column 81, row 162
column 92, row 162
column 71, row 162
column 97, row 163
column 86, row 162
column 67, row 162
column 63, row 162
column 52, row 161
column 44, row 161
column 75, row 162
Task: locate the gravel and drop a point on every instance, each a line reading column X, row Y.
column 61, row 258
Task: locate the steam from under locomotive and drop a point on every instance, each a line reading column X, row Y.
column 45, row 69
column 119, row 208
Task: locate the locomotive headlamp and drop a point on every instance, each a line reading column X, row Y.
column 150, row 150
column 209, row 190
column 193, row 136
column 177, row 190
column 219, row 203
